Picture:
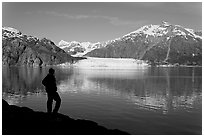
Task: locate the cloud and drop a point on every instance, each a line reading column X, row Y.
column 112, row 20
column 66, row 15
column 118, row 22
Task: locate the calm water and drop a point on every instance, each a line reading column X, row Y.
column 148, row 100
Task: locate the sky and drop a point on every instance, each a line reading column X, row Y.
column 95, row 21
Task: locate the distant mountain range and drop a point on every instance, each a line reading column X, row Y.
column 156, row 44
column 75, row 48
column 21, row 49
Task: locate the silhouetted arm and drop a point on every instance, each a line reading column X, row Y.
column 44, row 81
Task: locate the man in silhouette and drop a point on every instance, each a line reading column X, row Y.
column 51, row 88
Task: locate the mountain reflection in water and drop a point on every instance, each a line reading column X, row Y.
column 164, row 88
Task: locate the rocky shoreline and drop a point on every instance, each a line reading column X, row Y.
column 24, row 121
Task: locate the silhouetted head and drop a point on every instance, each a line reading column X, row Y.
column 51, row 71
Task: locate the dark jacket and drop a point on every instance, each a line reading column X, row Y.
column 50, row 83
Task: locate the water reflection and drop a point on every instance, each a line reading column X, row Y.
column 162, row 89
column 159, row 88
column 166, row 98
column 20, row 82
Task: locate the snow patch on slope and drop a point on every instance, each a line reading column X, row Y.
column 11, row 30
column 193, row 33
column 8, row 32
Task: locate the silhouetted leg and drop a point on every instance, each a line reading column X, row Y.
column 58, row 103
column 49, row 104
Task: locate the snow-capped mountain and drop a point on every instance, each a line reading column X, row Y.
column 156, row 44
column 164, row 29
column 11, row 32
column 22, row 49
column 75, row 48
column 136, row 44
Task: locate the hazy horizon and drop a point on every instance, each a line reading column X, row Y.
column 95, row 21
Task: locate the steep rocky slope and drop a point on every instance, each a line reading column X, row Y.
column 20, row 49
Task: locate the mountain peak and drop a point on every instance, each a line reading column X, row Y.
column 165, row 23
column 9, row 32
column 12, row 30
column 62, row 43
